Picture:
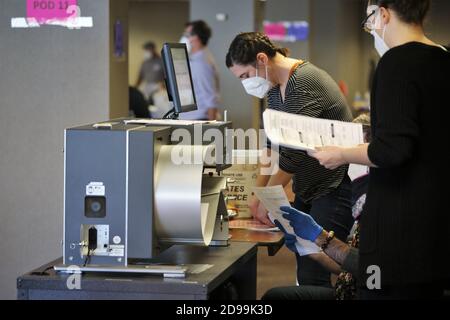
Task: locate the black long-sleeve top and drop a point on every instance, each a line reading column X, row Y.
column 405, row 229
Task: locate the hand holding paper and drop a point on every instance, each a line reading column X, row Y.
column 290, row 241
column 273, row 198
column 329, row 157
column 304, row 225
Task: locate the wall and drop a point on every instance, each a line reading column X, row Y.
column 288, row 10
column 437, row 25
column 159, row 21
column 337, row 42
column 241, row 17
column 118, row 66
column 50, row 78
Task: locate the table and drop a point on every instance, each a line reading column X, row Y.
column 232, row 276
column 274, row 241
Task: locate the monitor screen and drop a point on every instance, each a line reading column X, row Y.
column 179, row 78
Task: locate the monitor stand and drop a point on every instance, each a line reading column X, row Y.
column 171, row 115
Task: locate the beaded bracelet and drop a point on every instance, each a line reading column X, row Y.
column 330, row 237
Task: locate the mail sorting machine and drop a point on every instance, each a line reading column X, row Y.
column 110, row 219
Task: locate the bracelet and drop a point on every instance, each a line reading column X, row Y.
column 330, row 237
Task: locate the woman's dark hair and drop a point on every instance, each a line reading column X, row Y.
column 409, row 11
column 246, row 46
column 201, row 29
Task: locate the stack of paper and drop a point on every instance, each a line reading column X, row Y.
column 306, row 133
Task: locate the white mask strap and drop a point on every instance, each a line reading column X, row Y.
column 267, row 71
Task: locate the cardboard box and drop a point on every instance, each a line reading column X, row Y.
column 241, row 180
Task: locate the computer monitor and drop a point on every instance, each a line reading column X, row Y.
column 178, row 74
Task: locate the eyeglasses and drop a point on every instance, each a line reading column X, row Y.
column 368, row 24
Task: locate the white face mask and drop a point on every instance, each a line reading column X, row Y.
column 257, row 86
column 148, row 55
column 380, row 44
column 186, row 41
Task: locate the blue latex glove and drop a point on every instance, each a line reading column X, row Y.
column 304, row 225
column 289, row 239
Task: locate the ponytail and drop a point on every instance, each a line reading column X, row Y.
column 283, row 51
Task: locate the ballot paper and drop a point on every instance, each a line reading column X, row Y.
column 273, row 198
column 306, row 133
column 251, row 225
column 356, row 171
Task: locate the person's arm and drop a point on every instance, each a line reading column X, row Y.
column 343, row 254
column 357, row 155
column 280, row 178
column 336, row 250
column 396, row 128
column 334, row 157
column 212, row 113
column 265, row 170
column 281, row 175
column 326, row 262
column 306, row 228
column 291, row 243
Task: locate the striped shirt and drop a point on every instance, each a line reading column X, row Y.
column 310, row 92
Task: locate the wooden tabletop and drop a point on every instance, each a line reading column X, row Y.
column 272, row 240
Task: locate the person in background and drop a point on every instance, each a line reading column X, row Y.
column 405, row 228
column 204, row 70
column 345, row 287
column 297, row 87
column 138, row 105
column 151, row 74
column 160, row 104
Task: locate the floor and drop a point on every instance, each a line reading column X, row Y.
column 276, row 271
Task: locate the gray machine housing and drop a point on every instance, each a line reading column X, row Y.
column 114, row 162
column 108, row 194
column 202, row 134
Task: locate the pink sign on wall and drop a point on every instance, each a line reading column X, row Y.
column 275, row 30
column 45, row 10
